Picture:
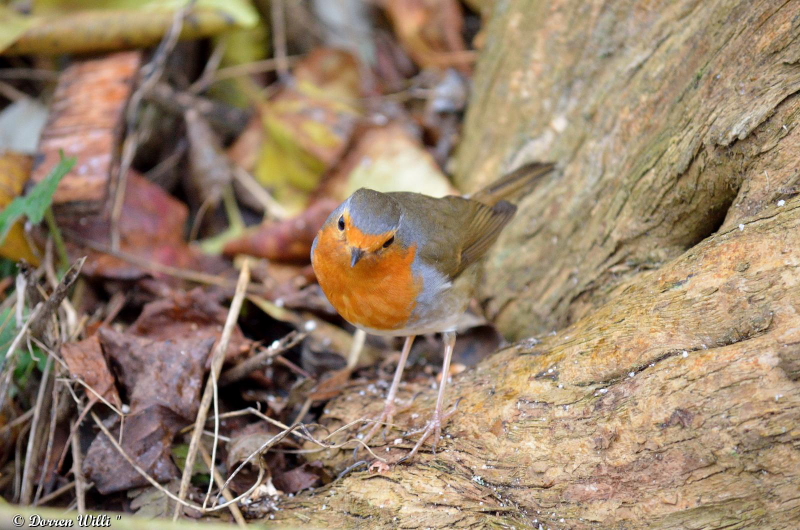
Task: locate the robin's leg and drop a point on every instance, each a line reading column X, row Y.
column 435, row 425
column 388, row 411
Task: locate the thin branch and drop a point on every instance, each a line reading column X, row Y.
column 151, row 73
column 235, row 511
column 278, row 12
column 255, row 67
column 259, row 361
column 218, row 357
column 57, row 493
column 33, row 438
column 77, row 470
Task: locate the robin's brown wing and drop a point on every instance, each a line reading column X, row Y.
column 457, row 231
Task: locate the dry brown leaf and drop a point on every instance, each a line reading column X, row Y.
column 299, row 478
column 85, row 360
column 431, row 32
column 155, row 372
column 193, row 315
column 288, row 240
column 209, row 167
column 151, row 228
column 85, row 121
column 147, row 438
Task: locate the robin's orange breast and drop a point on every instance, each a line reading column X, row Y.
column 379, row 292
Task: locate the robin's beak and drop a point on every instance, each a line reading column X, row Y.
column 356, row 254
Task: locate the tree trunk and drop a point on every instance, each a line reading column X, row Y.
column 665, row 252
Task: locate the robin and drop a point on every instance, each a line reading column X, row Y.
column 406, row 264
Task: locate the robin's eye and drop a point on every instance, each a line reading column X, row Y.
column 388, row 242
column 341, row 223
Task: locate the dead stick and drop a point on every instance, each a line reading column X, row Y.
column 56, row 494
column 245, row 368
column 27, row 470
column 235, row 511
column 77, row 472
column 218, row 358
column 278, row 15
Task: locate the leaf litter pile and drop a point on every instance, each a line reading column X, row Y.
column 165, row 348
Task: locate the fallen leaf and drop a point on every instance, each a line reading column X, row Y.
column 190, row 316
column 431, row 32
column 289, row 240
column 387, row 159
column 299, row 478
column 85, row 360
column 15, row 170
column 151, row 502
column 168, row 373
column 151, row 228
column 147, row 438
column 86, row 27
column 85, row 121
column 334, row 71
column 308, row 128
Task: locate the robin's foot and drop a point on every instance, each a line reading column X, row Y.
column 434, row 427
column 385, row 420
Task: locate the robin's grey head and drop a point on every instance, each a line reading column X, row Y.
column 368, row 221
column 373, row 212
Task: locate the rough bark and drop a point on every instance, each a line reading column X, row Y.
column 665, row 254
column 668, row 119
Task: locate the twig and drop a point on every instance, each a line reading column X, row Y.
column 77, row 470
column 55, row 494
column 155, row 267
column 50, row 441
column 151, row 73
column 27, row 484
column 272, row 208
column 61, row 247
column 218, row 357
column 235, row 511
column 22, row 419
column 161, row 488
column 255, row 67
column 265, row 446
column 259, row 361
column 277, row 10
column 29, row 74
column 11, row 93
column 209, row 71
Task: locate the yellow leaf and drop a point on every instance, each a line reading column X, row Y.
column 15, row 170
column 82, row 26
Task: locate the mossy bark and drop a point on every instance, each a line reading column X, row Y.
column 665, row 257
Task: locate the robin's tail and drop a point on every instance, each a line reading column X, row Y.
column 512, row 183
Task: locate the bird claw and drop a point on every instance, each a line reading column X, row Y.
column 386, row 417
column 434, row 426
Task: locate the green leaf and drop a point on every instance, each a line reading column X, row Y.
column 34, row 204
